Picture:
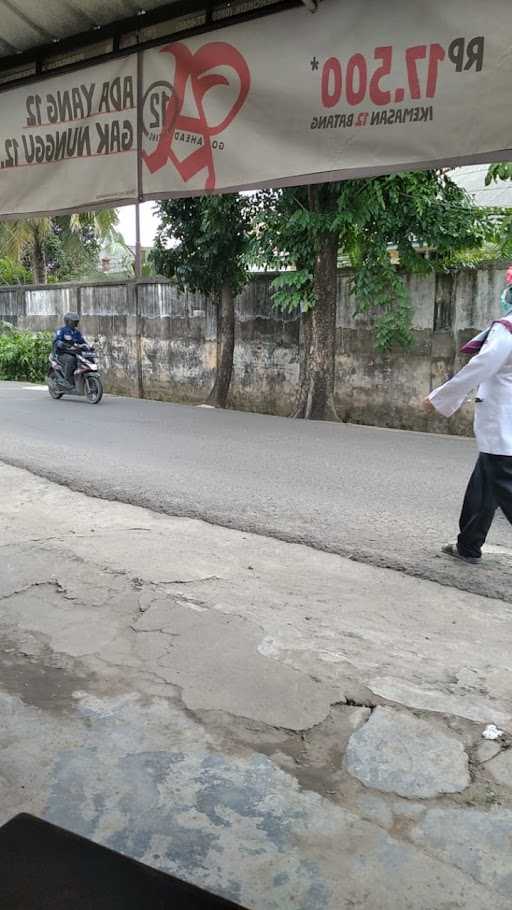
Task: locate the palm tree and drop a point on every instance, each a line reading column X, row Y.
column 102, row 221
column 25, row 238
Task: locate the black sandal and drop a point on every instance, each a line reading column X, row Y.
column 451, row 550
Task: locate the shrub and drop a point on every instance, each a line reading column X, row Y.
column 23, row 355
column 11, row 272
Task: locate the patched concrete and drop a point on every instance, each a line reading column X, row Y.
column 451, row 698
column 160, row 792
column 214, row 660
column 479, row 843
column 22, row 566
column 402, row 754
column 375, row 809
column 487, row 750
column 67, row 626
column 187, row 694
column 501, row 768
column 323, row 616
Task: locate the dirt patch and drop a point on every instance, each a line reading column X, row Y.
column 41, row 679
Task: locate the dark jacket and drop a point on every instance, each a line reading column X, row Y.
column 65, row 338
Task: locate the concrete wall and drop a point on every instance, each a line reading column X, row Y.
column 156, row 341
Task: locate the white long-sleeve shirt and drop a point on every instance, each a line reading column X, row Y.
column 490, row 372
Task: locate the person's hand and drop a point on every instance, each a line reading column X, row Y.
column 428, row 407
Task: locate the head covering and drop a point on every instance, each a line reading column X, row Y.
column 506, row 301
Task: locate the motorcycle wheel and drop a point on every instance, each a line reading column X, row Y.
column 93, row 389
column 54, row 389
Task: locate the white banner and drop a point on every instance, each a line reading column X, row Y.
column 354, row 89
column 70, row 142
column 351, row 90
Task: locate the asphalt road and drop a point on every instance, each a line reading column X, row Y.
column 381, row 496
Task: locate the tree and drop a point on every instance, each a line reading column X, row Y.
column 71, row 253
column 61, row 246
column 202, row 243
column 500, row 171
column 148, row 269
column 11, row 272
column 305, row 228
column 502, row 239
column 25, row 242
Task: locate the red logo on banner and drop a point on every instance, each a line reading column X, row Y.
column 194, row 70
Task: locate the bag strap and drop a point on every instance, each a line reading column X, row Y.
column 476, row 344
column 505, row 323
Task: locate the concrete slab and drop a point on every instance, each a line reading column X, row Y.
column 487, row 750
column 402, row 754
column 187, row 693
column 501, row 768
column 479, row 843
column 214, row 660
column 136, row 776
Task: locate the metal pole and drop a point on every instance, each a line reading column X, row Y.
column 140, row 90
column 138, row 247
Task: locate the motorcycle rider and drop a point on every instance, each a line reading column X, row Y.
column 65, row 340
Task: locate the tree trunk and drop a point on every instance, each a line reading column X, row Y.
column 302, row 398
column 39, row 274
column 316, row 397
column 226, row 347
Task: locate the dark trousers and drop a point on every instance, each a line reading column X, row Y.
column 68, row 362
column 489, row 488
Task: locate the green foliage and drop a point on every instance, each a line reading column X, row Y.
column 503, row 247
column 502, row 240
column 471, row 259
column 203, row 242
column 500, row 171
column 71, row 254
column 280, row 241
column 23, row 355
column 407, row 211
column 148, row 269
column 67, row 246
column 11, row 272
column 293, row 291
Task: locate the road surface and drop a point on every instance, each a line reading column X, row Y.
column 386, row 497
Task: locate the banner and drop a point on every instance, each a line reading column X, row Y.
column 354, row 89
column 70, row 142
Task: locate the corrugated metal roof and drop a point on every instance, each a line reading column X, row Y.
column 38, row 36
column 29, row 23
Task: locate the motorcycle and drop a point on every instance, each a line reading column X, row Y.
column 86, row 379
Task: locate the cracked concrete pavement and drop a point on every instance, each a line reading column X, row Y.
column 281, row 725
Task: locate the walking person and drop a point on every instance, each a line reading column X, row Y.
column 490, row 486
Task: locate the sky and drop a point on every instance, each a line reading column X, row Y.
column 471, row 177
column 148, row 224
